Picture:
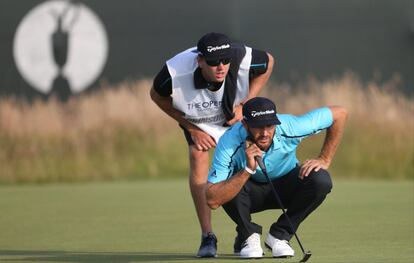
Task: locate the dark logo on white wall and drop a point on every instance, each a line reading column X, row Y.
column 60, row 47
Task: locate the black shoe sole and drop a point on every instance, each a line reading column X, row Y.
column 206, row 256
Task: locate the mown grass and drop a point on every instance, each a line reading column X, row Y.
column 119, row 133
column 154, row 221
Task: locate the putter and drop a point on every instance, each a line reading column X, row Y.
column 306, row 255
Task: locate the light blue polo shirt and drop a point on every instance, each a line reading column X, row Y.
column 230, row 158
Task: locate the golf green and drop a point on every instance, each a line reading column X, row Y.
column 154, row 221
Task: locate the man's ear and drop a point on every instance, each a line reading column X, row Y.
column 199, row 60
column 245, row 125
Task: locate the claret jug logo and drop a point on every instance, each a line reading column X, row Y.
column 60, row 47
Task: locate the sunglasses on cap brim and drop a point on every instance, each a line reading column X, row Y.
column 216, row 62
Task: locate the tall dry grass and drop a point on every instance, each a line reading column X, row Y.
column 377, row 104
column 119, row 132
column 127, row 104
column 379, row 137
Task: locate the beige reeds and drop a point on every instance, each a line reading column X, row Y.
column 378, row 104
column 128, row 104
column 118, row 132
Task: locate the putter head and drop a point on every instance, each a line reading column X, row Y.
column 306, row 256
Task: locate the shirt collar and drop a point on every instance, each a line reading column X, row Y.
column 276, row 144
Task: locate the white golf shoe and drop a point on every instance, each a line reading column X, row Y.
column 251, row 247
column 280, row 248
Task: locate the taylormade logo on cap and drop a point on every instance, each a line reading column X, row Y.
column 260, row 113
column 212, row 49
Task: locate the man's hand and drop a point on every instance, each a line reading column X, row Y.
column 312, row 165
column 202, row 140
column 333, row 137
column 251, row 151
column 238, row 115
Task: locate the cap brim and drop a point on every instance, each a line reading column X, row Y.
column 262, row 123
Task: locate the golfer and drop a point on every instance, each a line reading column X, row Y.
column 203, row 88
column 237, row 183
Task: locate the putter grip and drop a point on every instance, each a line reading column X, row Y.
column 259, row 161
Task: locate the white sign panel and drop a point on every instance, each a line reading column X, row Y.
column 60, row 39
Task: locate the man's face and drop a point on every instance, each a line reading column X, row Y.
column 215, row 73
column 262, row 136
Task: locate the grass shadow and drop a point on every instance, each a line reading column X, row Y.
column 89, row 257
column 101, row 257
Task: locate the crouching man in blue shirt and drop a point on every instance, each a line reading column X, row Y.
column 237, row 183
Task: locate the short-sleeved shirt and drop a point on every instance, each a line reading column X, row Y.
column 163, row 85
column 280, row 158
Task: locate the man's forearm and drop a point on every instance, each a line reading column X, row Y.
column 334, row 134
column 165, row 104
column 257, row 83
column 220, row 193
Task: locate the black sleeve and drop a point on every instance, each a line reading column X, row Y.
column 162, row 82
column 259, row 63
